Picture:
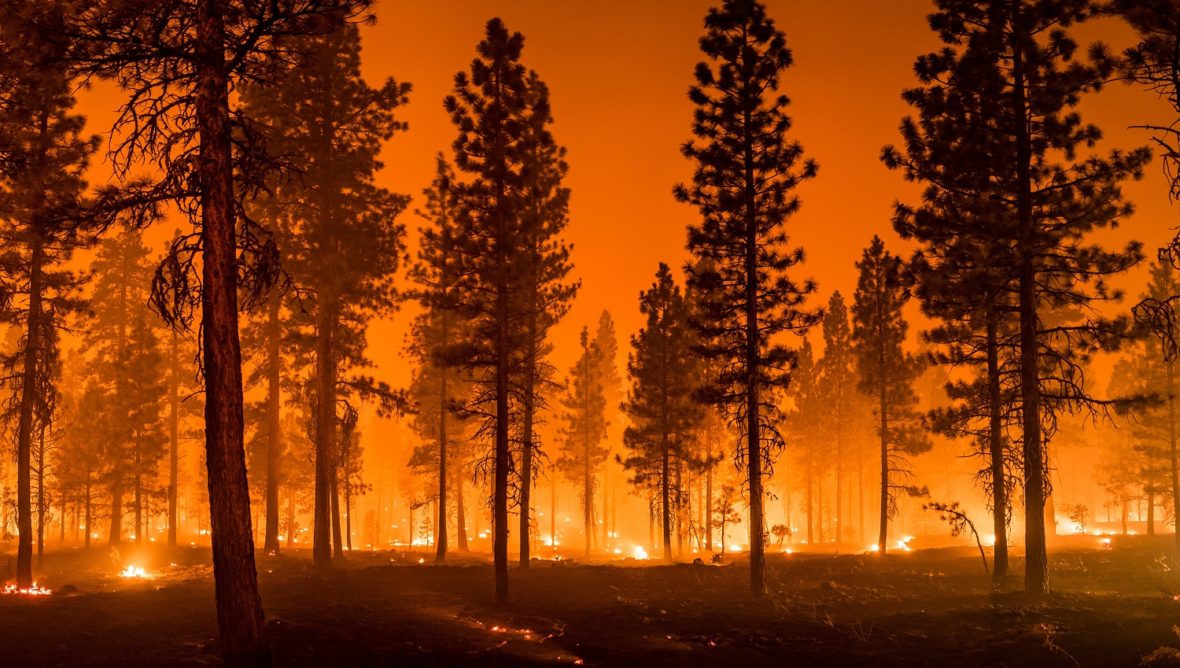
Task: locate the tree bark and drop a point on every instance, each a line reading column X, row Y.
column 240, row 619
column 173, row 436
column 325, row 439
column 996, row 452
column 1036, row 563
column 274, row 434
column 24, row 443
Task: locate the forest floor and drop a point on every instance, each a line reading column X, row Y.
column 1110, row 607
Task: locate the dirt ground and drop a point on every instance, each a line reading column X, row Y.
column 1110, row 607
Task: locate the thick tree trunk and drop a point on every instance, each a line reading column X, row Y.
column 753, row 407
column 325, row 438
column 240, row 620
column 173, row 436
column 274, row 434
column 24, row 441
column 996, row 452
column 1036, row 562
column 503, row 364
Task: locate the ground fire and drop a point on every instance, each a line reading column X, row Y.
column 614, row 333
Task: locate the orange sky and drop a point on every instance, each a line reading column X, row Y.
column 619, row 71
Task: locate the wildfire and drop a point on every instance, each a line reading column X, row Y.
column 1105, row 543
column 904, row 544
column 134, row 572
column 639, row 552
column 33, row 590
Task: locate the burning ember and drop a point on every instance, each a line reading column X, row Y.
column 133, row 572
column 639, row 553
column 33, row 590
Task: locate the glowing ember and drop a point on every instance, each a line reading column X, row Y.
column 421, row 560
column 34, row 590
column 639, row 553
column 1105, row 543
column 133, row 572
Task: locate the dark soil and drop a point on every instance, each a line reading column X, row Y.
column 926, row 608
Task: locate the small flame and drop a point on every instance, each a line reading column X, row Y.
column 639, row 552
column 133, row 572
column 33, row 590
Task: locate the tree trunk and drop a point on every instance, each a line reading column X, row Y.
column 709, row 505
column 325, row 438
column 460, row 513
column 1172, row 455
column 41, row 497
column 240, row 620
column 116, row 528
column 1036, row 562
column 753, row 351
column 337, row 533
column 996, row 452
column 440, row 534
column 587, row 495
column 24, row 442
column 502, row 353
column 665, row 500
column 274, row 434
column 173, row 435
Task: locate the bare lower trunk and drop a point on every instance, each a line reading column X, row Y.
column 325, row 437
column 240, row 620
column 337, row 533
column 24, row 441
column 274, row 435
column 173, row 435
column 1036, row 563
column 665, row 500
column 996, row 453
column 460, row 514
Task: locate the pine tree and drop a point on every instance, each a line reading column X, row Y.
column 124, row 359
column 746, row 174
column 663, row 414
column 177, row 63
column 887, row 371
column 584, row 428
column 341, row 245
column 1146, row 376
column 544, row 205
column 489, row 109
column 1040, row 199
column 842, row 402
column 47, row 215
column 808, row 427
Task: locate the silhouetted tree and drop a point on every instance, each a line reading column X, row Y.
column 177, row 62
column 887, row 371
column 663, row 414
column 489, row 108
column 1042, row 200
column 43, row 156
column 746, row 174
column 341, row 244
column 584, row 417
column 547, row 293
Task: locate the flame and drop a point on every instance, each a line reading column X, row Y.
column 33, row 590
column 133, row 572
column 639, row 552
